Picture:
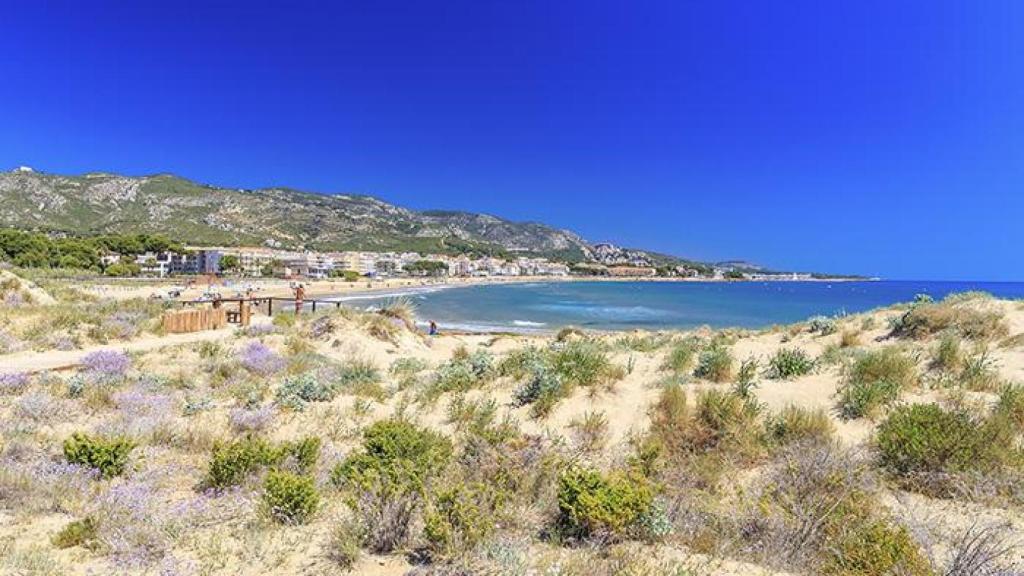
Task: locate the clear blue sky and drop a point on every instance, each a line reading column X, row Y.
column 876, row 137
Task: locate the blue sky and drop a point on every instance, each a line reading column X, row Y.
column 872, row 137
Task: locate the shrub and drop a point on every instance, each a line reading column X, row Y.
column 849, row 339
column 875, row 381
column 108, row 456
column 590, row 431
column 296, row 391
column 397, row 454
column 923, row 441
column 789, row 363
column 521, row 362
column 606, row 506
column 956, row 313
column 858, row 399
column 106, row 365
column 719, row 420
column 979, row 373
column 345, row 544
column 1011, row 404
column 583, row 363
column 231, row 463
column 821, row 325
column 258, row 358
column 679, row 359
column 290, row 498
column 746, row 379
column 948, row 355
column 460, row 518
column 388, row 477
column 876, row 546
column 796, row 424
column 542, row 390
column 77, row 533
column 463, row 372
column 715, row 364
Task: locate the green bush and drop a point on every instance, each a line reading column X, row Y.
column 925, row 439
column 583, row 363
column 679, row 359
column 77, row 533
column 948, row 354
column 874, row 381
column 303, row 454
column 789, row 363
column 397, row 456
column 876, row 547
column 232, row 463
column 957, row 313
column 821, row 325
column 459, row 518
column 1011, row 404
column 290, row 498
column 296, row 391
column 796, row 424
column 108, row 456
column 542, row 390
column 715, row 364
column 593, row 504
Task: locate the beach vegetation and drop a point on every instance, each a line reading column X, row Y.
column 680, row 358
column 948, row 355
column 715, row 363
column 108, row 456
column 387, row 478
column 82, row 533
column 875, row 381
column 822, row 325
column 926, row 447
column 798, row 424
column 590, row 431
column 600, row 506
column 788, row 363
column 965, row 314
column 290, row 498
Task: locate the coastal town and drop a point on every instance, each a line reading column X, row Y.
column 263, row 262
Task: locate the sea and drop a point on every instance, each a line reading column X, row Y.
column 652, row 305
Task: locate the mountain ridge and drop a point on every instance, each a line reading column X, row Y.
column 281, row 216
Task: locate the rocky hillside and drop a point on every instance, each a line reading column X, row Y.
column 208, row 215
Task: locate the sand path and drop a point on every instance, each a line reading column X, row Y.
column 29, row 361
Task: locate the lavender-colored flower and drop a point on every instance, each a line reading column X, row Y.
column 39, row 407
column 14, row 383
column 123, row 324
column 259, row 359
column 63, row 342
column 106, row 365
column 243, row 420
column 140, row 414
column 257, row 330
column 9, row 343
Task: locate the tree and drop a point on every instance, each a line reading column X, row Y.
column 230, row 263
column 426, row 268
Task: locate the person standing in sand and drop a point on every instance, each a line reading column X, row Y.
column 300, row 295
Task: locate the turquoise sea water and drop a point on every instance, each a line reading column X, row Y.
column 542, row 306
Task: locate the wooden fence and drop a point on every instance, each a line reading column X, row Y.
column 194, row 320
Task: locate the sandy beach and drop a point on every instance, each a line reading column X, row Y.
column 178, row 397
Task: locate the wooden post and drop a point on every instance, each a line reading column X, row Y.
column 244, row 313
column 314, row 306
column 270, row 306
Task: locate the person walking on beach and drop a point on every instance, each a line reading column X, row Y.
column 300, row 295
column 433, row 328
